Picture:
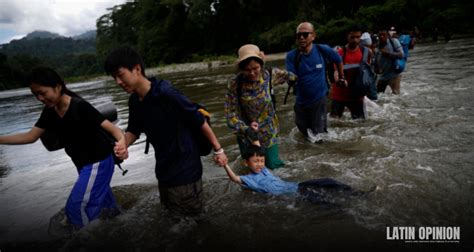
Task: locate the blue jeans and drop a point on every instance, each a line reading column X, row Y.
column 313, row 116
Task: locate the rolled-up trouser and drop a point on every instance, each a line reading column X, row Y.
column 394, row 84
column 312, row 117
column 91, row 193
column 187, row 200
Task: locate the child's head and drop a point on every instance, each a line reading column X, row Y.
column 254, row 158
column 124, row 57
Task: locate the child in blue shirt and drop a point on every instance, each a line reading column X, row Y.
column 262, row 180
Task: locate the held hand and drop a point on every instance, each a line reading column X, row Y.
column 342, row 82
column 220, row 159
column 120, row 149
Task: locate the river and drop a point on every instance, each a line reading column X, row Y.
column 417, row 150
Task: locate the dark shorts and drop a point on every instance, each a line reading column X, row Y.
column 312, row 117
column 185, row 200
column 356, row 108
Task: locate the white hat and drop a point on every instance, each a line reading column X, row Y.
column 365, row 39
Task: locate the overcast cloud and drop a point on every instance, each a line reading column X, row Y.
column 66, row 17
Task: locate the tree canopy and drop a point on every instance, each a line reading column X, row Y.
column 173, row 31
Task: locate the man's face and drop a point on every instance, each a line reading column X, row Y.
column 305, row 36
column 383, row 37
column 127, row 79
column 353, row 38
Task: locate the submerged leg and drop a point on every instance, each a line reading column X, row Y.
column 325, row 190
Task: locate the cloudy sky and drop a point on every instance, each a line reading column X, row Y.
column 66, row 17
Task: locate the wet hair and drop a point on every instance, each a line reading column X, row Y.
column 123, row 57
column 355, row 28
column 253, row 150
column 47, row 77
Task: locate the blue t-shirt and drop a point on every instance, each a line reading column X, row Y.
column 311, row 72
column 266, row 182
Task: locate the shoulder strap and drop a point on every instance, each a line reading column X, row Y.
column 269, row 70
column 365, row 53
column 298, row 56
column 239, row 90
column 154, row 92
column 393, row 45
column 344, row 49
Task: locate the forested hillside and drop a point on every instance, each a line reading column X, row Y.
column 173, row 31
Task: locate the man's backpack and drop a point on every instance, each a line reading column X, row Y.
column 405, row 41
column 203, row 144
column 398, row 63
column 366, row 77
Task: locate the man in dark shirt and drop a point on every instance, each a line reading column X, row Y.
column 168, row 118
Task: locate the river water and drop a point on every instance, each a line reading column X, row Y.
column 417, row 150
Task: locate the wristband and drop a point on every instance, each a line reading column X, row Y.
column 219, row 151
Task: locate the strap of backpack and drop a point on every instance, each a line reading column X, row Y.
column 393, row 45
column 270, row 85
column 297, row 61
column 344, row 50
column 328, row 69
column 154, row 93
column 365, row 54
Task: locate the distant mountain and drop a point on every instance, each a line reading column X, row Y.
column 42, row 35
column 50, row 45
column 86, row 35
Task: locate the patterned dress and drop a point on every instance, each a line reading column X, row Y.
column 255, row 105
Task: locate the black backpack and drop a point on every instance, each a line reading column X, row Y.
column 202, row 142
column 366, row 77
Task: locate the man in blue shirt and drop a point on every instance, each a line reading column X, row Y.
column 388, row 50
column 308, row 62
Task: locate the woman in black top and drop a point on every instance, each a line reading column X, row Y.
column 80, row 129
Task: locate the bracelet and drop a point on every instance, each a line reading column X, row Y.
column 219, row 151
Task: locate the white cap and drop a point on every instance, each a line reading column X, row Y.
column 365, row 39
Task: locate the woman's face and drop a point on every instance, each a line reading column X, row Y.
column 252, row 70
column 49, row 96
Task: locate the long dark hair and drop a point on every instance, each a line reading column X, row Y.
column 47, row 77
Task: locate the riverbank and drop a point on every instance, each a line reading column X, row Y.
column 185, row 67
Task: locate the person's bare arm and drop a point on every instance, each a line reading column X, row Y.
column 232, row 175
column 23, row 138
column 120, row 147
column 219, row 156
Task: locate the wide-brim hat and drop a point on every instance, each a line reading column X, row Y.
column 250, row 51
